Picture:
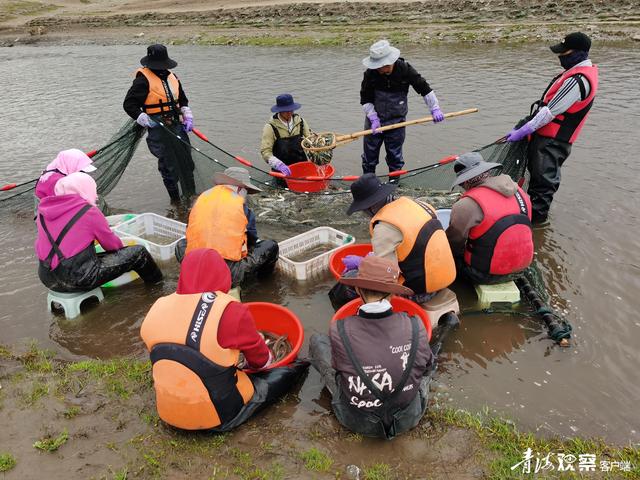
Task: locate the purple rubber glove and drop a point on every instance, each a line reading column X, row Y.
column 351, row 262
column 375, row 121
column 518, row 134
column 279, row 165
column 437, row 115
column 187, row 118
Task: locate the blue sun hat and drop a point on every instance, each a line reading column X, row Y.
column 285, row 103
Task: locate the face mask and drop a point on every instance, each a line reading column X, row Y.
column 572, row 59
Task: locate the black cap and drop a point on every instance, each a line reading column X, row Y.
column 157, row 58
column 367, row 191
column 573, row 41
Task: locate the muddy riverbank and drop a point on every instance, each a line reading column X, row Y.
column 313, row 23
column 97, row 419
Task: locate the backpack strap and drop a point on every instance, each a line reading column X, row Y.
column 55, row 244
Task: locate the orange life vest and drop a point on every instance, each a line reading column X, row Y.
column 424, row 256
column 158, row 100
column 217, row 220
column 196, row 382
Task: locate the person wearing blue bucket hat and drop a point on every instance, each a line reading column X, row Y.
column 282, row 136
column 383, row 96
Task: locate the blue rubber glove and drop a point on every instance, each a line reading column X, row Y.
column 518, row 134
column 375, row 121
column 437, row 115
column 279, row 165
column 351, row 262
column 144, row 120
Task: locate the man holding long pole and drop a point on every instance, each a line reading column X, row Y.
column 383, row 96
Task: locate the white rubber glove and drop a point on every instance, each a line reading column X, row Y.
column 144, row 120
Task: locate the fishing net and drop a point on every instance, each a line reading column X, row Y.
column 111, row 161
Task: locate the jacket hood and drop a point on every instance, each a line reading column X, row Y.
column 54, row 207
column 203, row 270
column 501, row 184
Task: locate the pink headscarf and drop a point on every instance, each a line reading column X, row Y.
column 79, row 184
column 70, row 161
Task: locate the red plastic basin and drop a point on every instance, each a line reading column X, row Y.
column 335, row 260
column 280, row 321
column 308, row 169
column 399, row 304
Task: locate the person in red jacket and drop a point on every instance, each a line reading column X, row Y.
column 195, row 338
column 490, row 228
column 557, row 119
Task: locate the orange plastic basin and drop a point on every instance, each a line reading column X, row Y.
column 399, row 304
column 308, row 169
column 280, row 321
column 335, row 260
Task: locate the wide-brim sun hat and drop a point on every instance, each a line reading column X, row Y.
column 367, row 191
column 470, row 165
column 285, row 103
column 381, row 53
column 236, row 176
column 157, row 58
column 378, row 274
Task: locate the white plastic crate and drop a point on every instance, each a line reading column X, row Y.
column 306, row 241
column 152, row 224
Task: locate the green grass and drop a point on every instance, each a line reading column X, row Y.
column 316, row 460
column 71, row 412
column 37, row 360
column 7, row 462
column 378, row 471
column 38, row 390
column 120, row 376
column 120, row 474
column 49, row 444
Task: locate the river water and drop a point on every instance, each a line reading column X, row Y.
column 63, row 97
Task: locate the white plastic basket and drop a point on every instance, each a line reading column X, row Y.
column 152, row 224
column 306, row 241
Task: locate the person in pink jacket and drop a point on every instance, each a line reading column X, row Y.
column 68, row 224
column 67, row 162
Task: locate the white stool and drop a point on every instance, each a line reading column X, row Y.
column 70, row 302
column 444, row 301
column 498, row 293
column 235, row 293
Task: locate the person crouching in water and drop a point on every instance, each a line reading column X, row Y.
column 195, row 337
column 68, row 224
column 220, row 219
column 490, row 229
column 375, row 363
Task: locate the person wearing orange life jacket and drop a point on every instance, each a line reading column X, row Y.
column 220, row 219
column 407, row 231
column 557, row 119
column 490, row 228
column 195, row 337
column 157, row 93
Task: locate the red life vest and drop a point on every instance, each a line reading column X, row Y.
column 567, row 126
column 503, row 242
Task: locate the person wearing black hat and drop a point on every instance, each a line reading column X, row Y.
column 490, row 227
column 157, row 93
column 282, row 136
column 376, row 363
column 557, row 119
column 406, row 231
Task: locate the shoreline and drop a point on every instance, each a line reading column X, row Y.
column 315, row 24
column 97, row 419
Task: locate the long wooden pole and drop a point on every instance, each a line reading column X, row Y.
column 353, row 136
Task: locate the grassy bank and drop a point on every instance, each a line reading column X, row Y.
column 97, row 419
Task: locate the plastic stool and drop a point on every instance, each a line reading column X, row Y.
column 498, row 293
column 235, row 293
column 445, row 301
column 70, row 302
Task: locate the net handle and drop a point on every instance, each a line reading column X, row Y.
column 353, row 136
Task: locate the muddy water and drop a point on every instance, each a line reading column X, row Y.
column 64, row 97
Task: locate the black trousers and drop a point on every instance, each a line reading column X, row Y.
column 545, row 158
column 88, row 269
column 174, row 160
